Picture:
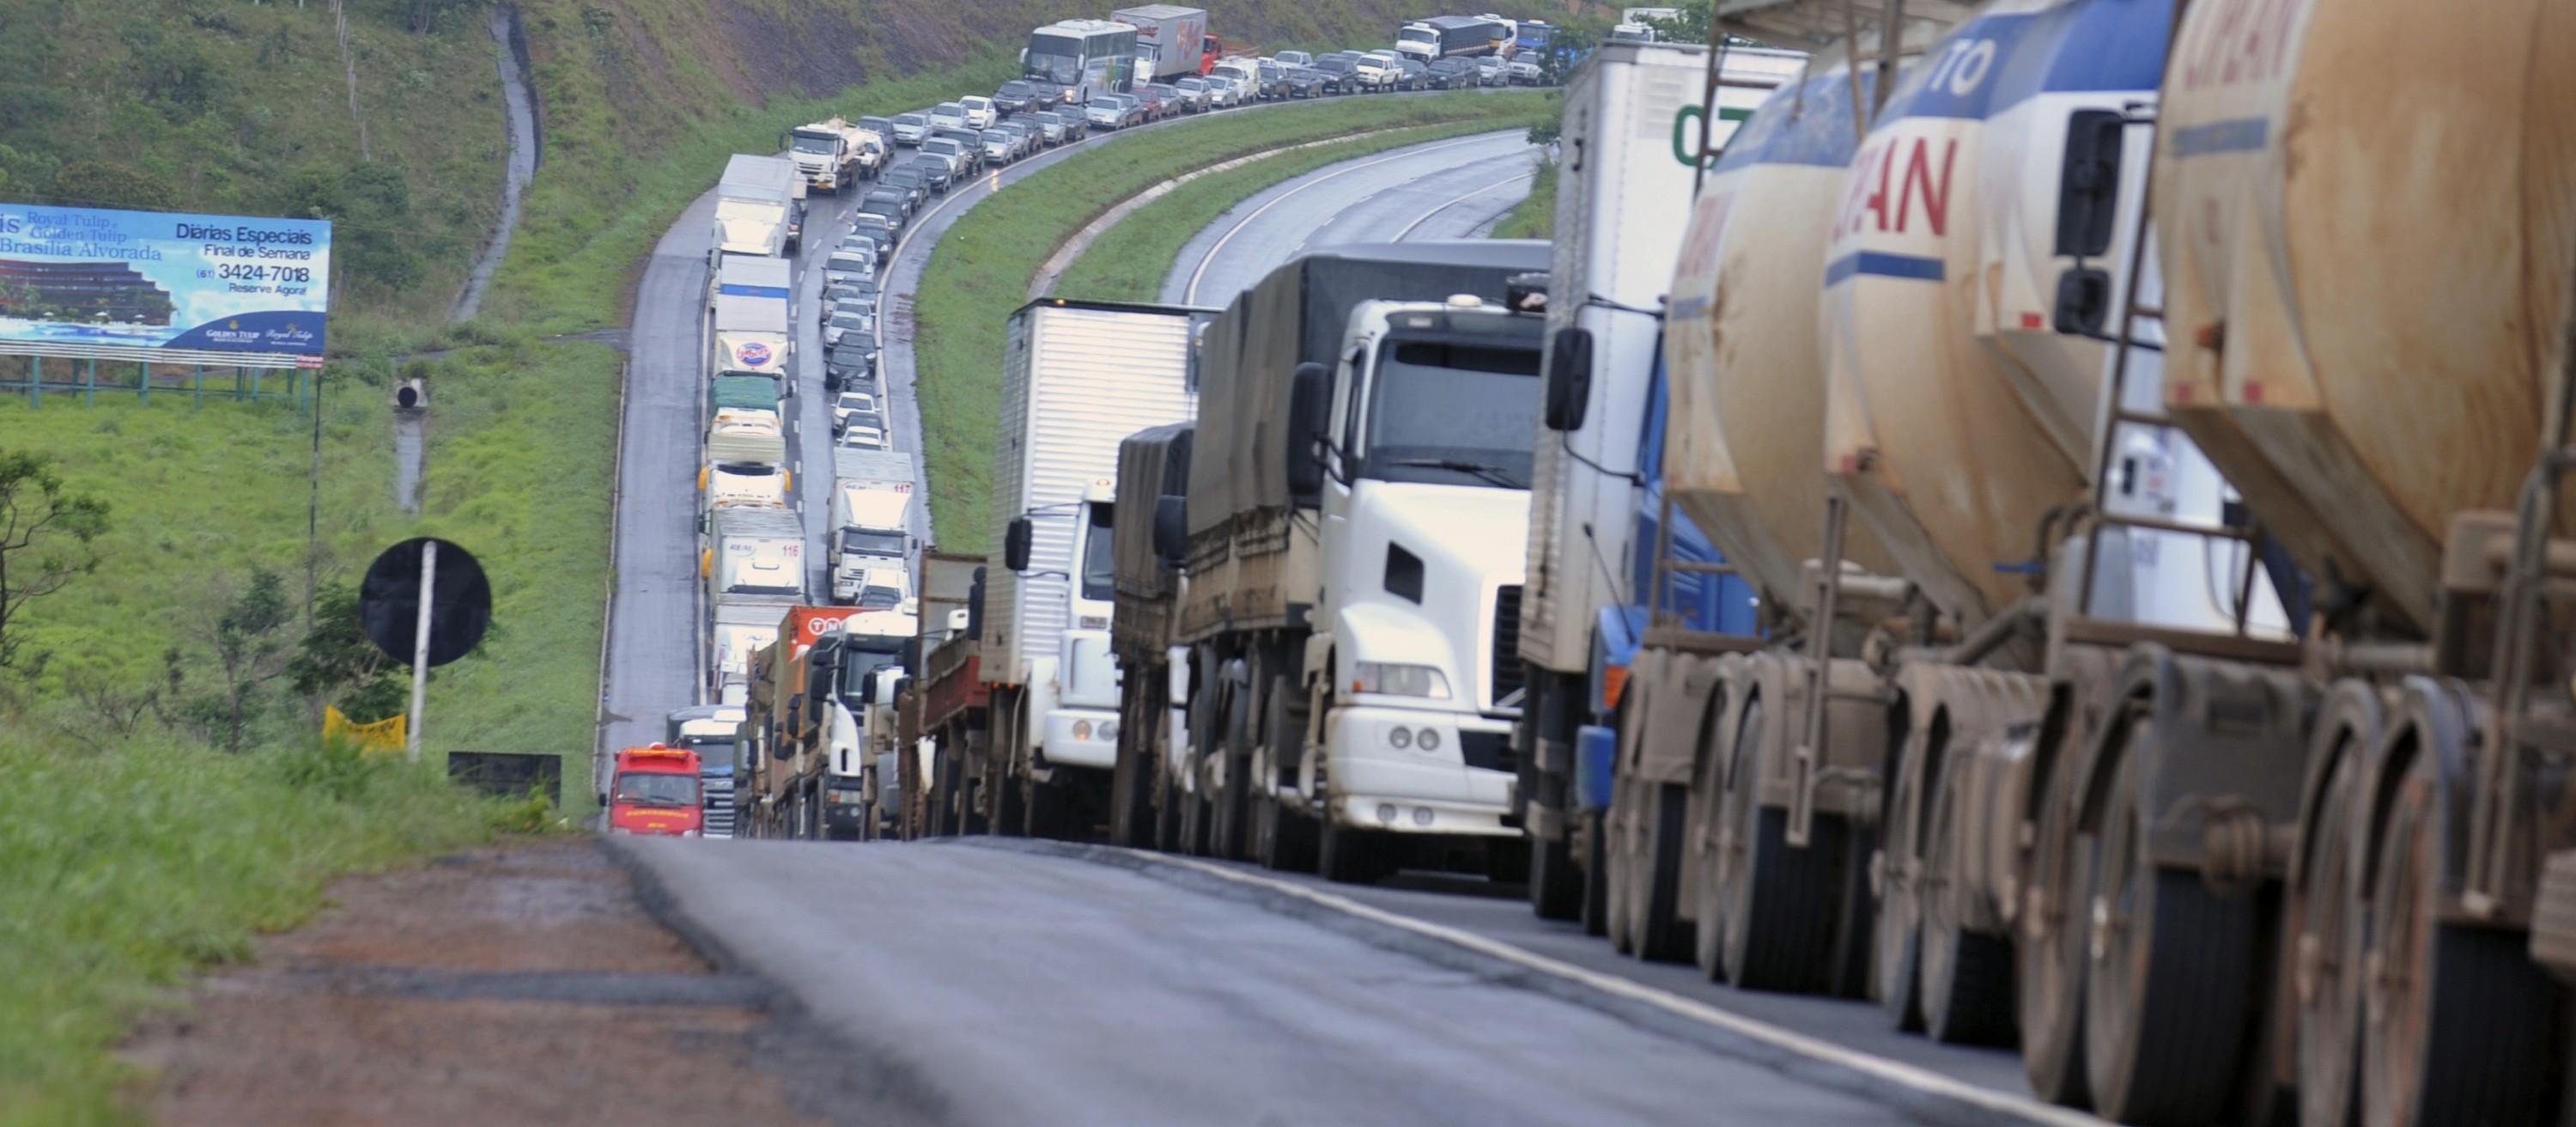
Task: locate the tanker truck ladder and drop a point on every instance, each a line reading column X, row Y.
column 2535, row 583
column 2141, row 329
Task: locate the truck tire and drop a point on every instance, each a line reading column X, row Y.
column 1046, row 809
column 1656, row 932
column 1230, row 806
column 2460, row 1028
column 1356, row 856
column 1555, row 884
column 1618, row 834
column 1966, row 977
column 1285, row 840
column 2166, row 994
column 1781, row 903
column 1593, row 825
column 2326, row 952
column 1896, row 950
column 2050, row 949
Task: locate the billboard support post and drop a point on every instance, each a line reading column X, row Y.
column 143, row 382
column 201, row 387
column 35, row 381
column 89, row 384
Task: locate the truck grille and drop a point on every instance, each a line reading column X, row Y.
column 1507, row 642
column 1489, row 750
column 719, row 813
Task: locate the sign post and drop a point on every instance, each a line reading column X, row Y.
column 420, row 648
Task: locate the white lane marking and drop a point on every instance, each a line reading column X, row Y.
column 1190, row 295
column 1426, row 216
column 1909, row 1076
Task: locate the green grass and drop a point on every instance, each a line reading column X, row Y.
column 1129, row 262
column 133, row 862
column 981, row 270
column 1535, row 216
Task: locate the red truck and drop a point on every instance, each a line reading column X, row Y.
column 655, row 792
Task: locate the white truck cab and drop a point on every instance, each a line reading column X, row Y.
column 1425, row 517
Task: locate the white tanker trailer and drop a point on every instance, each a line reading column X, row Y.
column 2368, row 228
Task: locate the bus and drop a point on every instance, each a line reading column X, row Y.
column 1085, row 57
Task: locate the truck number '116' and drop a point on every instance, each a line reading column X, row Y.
column 248, row 272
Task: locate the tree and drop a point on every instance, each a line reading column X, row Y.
column 340, row 664
column 250, row 651
column 47, row 536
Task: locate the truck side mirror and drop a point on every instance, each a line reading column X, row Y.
column 1569, row 378
column 1016, row 542
column 1309, row 398
column 1171, row 528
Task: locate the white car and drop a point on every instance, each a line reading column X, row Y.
column 851, row 403
column 847, row 324
column 862, row 438
column 1377, row 72
column 745, row 484
column 981, row 113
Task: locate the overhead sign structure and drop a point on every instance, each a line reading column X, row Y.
column 163, row 287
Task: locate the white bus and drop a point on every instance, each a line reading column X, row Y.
column 1085, row 57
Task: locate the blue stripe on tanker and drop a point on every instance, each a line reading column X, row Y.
column 1907, row 266
column 1993, row 63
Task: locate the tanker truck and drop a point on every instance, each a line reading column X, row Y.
column 1351, row 588
column 2364, row 218
column 1858, row 786
column 1589, row 532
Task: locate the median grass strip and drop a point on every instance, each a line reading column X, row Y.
column 981, row 269
column 1535, row 216
column 1130, row 261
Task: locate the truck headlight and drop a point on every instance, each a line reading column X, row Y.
column 1399, row 680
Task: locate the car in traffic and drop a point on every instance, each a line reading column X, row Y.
column 861, row 437
column 1523, row 70
column 910, row 128
column 998, row 148
column 908, row 178
column 1196, row 93
column 1340, row 76
column 888, row 207
column 1293, row 59
column 1492, row 71
column 849, row 264
column 981, row 113
column 875, row 227
column 850, row 403
column 1416, row 75
column 1051, row 126
column 1452, row 73
column 846, row 324
column 1304, row 82
column 904, row 201
column 1115, row 111
column 947, row 115
column 960, row 157
column 1376, row 74
column 1018, row 96
column 853, row 365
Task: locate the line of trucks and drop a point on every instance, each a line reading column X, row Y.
column 2066, row 544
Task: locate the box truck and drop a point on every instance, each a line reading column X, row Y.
column 1171, row 41
column 872, row 517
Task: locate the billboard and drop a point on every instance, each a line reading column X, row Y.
column 80, row 279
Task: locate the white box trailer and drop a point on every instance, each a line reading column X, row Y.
column 1077, row 377
column 872, row 516
column 739, row 630
column 754, row 309
column 756, row 206
column 1175, row 37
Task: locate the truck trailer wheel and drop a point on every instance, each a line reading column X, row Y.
column 2326, row 952
column 1594, row 825
column 1555, row 884
column 1896, row 950
column 2171, row 967
column 2049, row 955
column 1658, row 818
column 2460, row 1025
column 1964, row 978
column 1780, row 902
column 1285, row 839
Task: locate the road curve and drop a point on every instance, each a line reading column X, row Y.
column 1020, row 987
column 1437, row 189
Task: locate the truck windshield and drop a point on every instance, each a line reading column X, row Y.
column 1099, row 580
column 872, row 543
column 715, row 753
column 1451, row 412
column 821, row 146
column 880, row 598
column 644, row 789
column 1417, row 35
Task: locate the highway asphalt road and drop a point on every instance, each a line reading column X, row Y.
column 1439, row 190
column 1007, row 986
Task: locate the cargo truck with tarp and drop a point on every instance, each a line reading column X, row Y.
column 1409, row 628
column 1145, row 561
